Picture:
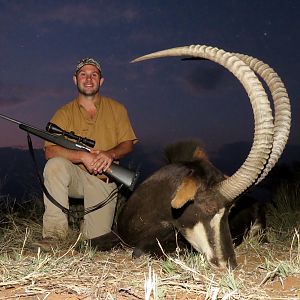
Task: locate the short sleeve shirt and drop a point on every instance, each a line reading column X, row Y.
column 110, row 127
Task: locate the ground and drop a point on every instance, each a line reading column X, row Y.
column 267, row 271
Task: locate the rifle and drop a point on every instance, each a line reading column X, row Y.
column 58, row 136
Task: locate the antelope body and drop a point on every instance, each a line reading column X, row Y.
column 190, row 194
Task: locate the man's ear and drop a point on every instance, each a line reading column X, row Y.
column 101, row 81
column 75, row 80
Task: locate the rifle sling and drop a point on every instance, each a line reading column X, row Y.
column 88, row 210
column 64, row 209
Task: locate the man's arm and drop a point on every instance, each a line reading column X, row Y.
column 75, row 156
column 120, row 150
column 104, row 159
column 95, row 161
column 55, row 150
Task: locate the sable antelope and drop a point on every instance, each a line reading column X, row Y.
column 193, row 196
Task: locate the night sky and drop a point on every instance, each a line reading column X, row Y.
column 167, row 99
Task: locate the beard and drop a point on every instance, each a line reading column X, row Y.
column 84, row 92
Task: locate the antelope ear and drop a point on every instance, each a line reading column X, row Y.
column 185, row 192
column 200, row 154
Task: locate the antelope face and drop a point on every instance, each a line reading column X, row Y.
column 201, row 214
column 211, row 236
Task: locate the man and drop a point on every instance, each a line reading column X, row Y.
column 80, row 174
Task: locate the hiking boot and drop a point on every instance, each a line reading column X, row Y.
column 45, row 245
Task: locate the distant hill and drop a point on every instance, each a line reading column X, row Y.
column 18, row 177
column 231, row 156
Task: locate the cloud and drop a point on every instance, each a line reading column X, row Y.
column 11, row 101
column 11, row 94
column 72, row 13
column 205, row 78
column 76, row 14
column 17, row 94
column 93, row 14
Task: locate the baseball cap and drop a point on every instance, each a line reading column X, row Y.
column 87, row 61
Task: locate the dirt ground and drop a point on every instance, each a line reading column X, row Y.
column 125, row 278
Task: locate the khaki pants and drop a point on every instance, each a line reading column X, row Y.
column 63, row 179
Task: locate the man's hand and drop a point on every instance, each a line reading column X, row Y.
column 99, row 162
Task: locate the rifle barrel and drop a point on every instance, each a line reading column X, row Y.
column 9, row 119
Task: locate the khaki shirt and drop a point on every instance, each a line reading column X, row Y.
column 109, row 128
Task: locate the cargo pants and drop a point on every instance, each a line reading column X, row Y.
column 63, row 179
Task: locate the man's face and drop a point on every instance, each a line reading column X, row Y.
column 88, row 80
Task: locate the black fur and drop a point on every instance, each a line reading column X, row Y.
column 147, row 216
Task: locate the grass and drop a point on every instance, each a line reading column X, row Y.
column 285, row 215
column 265, row 271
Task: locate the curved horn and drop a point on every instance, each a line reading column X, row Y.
column 246, row 175
column 282, row 108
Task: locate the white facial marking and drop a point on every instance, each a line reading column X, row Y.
column 198, row 238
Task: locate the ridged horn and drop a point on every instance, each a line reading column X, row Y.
column 282, row 108
column 248, row 173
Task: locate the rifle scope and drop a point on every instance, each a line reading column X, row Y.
column 53, row 128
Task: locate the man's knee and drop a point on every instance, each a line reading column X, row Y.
column 57, row 166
